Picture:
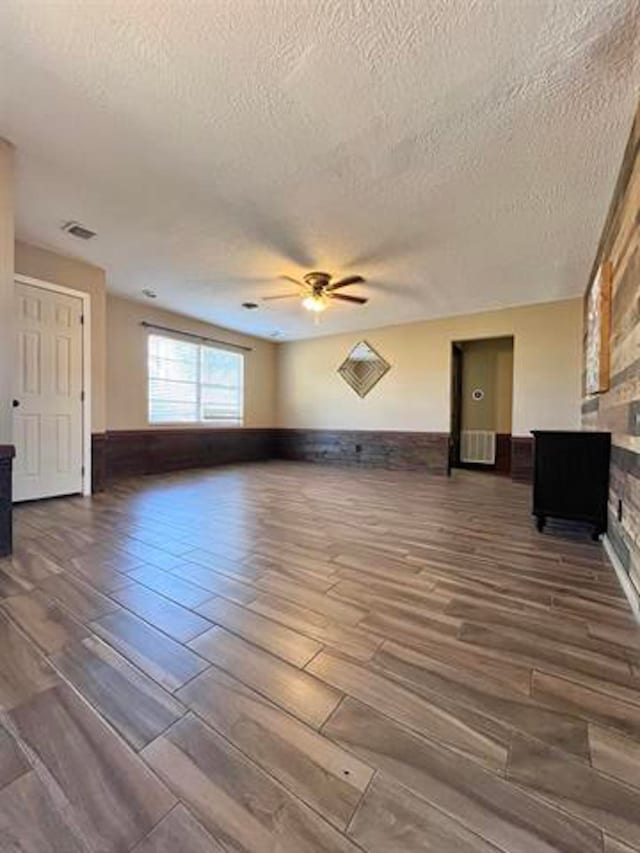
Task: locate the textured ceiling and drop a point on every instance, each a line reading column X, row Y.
column 460, row 155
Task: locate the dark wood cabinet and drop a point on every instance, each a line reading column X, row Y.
column 571, row 477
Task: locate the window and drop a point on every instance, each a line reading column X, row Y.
column 194, row 383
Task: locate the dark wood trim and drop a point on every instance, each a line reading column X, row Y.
column 98, row 461
column 126, row 453
column 522, row 458
column 426, row 451
column 7, row 452
column 503, row 453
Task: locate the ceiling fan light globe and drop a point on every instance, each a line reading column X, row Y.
column 314, row 303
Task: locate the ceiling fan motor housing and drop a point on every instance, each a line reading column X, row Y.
column 317, row 281
column 319, row 290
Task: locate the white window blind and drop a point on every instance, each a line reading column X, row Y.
column 191, row 382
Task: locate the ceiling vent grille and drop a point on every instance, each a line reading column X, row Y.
column 78, row 230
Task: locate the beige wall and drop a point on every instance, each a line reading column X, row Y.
column 127, row 364
column 118, row 349
column 302, row 376
column 6, row 290
column 49, row 266
column 487, row 364
column 415, row 394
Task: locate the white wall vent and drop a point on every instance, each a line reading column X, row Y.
column 478, row 446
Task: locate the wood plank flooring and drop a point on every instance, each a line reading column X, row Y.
column 288, row 657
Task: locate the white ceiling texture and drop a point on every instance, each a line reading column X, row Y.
column 460, row 155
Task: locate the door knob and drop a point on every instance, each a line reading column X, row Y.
column 16, row 403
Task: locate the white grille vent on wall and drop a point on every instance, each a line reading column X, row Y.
column 478, row 446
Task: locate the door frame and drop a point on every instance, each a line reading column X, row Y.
column 86, row 365
column 455, row 404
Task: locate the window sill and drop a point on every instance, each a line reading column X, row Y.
column 194, row 425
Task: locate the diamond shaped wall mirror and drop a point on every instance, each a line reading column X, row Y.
column 363, row 368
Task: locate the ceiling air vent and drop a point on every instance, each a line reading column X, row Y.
column 78, row 230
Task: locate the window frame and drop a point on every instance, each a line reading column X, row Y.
column 199, row 422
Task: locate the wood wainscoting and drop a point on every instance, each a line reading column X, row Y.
column 428, row 451
column 126, row 453
column 522, row 458
column 7, row 452
column 98, row 461
column 503, row 454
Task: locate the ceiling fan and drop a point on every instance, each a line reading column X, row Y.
column 318, row 290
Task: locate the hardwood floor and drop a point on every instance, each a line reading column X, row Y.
column 287, row 657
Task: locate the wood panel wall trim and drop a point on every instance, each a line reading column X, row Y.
column 391, row 449
column 127, row 453
column 626, row 461
column 503, row 453
column 522, row 458
column 618, row 410
column 591, row 405
column 7, row 452
column 616, row 206
column 98, row 461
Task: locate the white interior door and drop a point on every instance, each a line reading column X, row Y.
column 48, row 405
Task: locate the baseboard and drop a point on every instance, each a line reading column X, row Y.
column 625, row 581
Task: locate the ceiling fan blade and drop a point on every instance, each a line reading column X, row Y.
column 359, row 300
column 345, row 282
column 293, row 280
column 281, row 296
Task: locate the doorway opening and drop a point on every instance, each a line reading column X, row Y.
column 481, row 405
